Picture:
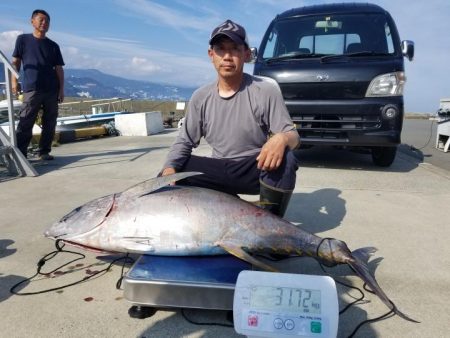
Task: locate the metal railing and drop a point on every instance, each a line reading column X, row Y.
column 13, row 158
column 9, row 69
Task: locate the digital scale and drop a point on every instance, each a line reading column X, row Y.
column 202, row 282
column 264, row 304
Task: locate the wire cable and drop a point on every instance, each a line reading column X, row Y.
column 127, row 258
column 51, row 255
column 429, row 138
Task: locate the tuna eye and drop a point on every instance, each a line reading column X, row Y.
column 73, row 212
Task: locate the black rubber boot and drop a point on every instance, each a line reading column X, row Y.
column 273, row 199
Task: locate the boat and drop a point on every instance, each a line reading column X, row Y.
column 97, row 118
column 72, row 122
column 84, row 121
column 103, row 112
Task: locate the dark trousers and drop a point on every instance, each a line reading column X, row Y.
column 240, row 176
column 33, row 102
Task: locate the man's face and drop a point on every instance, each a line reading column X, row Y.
column 228, row 57
column 40, row 22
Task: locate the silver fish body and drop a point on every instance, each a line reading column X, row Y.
column 154, row 218
column 169, row 223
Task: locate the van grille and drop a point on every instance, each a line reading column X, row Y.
column 333, row 126
column 323, row 90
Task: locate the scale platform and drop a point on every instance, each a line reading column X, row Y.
column 203, row 282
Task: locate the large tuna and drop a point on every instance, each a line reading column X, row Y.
column 160, row 219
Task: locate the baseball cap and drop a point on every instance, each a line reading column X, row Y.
column 231, row 29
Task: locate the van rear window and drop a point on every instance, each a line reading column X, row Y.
column 329, row 35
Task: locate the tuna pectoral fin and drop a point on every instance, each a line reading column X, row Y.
column 359, row 265
column 143, row 245
column 237, row 251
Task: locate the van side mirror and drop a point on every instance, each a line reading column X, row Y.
column 408, row 49
column 253, row 55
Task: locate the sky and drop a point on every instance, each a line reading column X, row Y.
column 166, row 41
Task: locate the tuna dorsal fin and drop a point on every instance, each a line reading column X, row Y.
column 153, row 184
column 237, row 251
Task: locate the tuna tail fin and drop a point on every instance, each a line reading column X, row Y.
column 359, row 265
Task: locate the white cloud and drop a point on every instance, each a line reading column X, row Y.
column 154, row 13
column 119, row 40
column 143, row 65
column 74, row 58
column 114, row 56
column 7, row 41
column 71, row 51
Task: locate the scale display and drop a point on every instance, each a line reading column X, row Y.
column 286, row 299
column 268, row 304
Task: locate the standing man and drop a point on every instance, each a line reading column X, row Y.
column 43, row 83
column 245, row 121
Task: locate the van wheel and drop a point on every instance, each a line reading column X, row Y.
column 383, row 156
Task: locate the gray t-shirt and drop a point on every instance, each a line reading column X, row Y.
column 234, row 127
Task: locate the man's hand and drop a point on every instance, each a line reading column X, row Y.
column 168, row 171
column 61, row 96
column 15, row 88
column 272, row 152
column 15, row 85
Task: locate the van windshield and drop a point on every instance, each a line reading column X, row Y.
column 351, row 35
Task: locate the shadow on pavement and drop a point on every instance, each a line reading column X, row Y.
column 4, row 178
column 5, row 175
column 90, row 159
column 318, row 211
column 175, row 325
column 4, row 250
column 7, row 282
column 338, row 158
column 412, row 151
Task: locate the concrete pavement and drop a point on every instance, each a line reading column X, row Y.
column 402, row 210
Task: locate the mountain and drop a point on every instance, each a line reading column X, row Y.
column 96, row 84
column 93, row 83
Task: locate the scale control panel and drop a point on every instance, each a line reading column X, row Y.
column 278, row 323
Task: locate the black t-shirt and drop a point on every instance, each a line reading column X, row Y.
column 39, row 58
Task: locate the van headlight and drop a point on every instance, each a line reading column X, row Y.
column 390, row 84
